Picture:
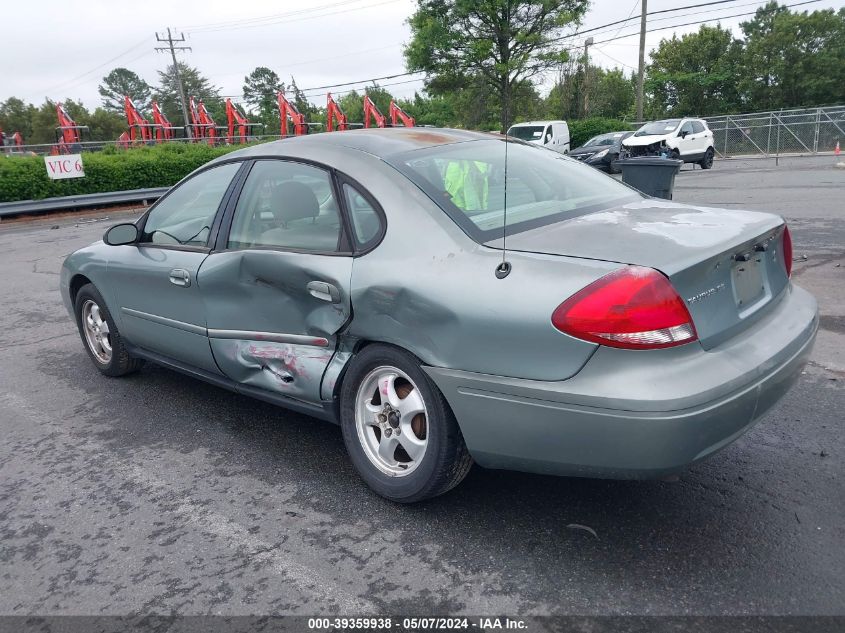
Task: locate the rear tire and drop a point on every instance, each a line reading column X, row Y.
column 399, row 431
column 100, row 335
column 707, row 161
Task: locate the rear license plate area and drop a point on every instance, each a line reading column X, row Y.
column 747, row 278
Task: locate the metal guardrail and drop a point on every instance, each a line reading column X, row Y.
column 84, row 201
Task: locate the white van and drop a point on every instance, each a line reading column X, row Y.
column 552, row 134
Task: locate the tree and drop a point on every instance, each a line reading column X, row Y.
column 793, row 59
column 195, row 85
column 305, row 107
column 501, row 43
column 613, row 96
column 16, row 116
column 260, row 88
column 696, row 74
column 120, row 82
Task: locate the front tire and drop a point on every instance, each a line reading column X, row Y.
column 399, row 431
column 707, row 161
column 100, row 335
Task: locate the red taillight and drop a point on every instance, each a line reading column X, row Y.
column 633, row 308
column 787, row 251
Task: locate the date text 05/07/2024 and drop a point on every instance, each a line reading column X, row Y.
column 416, row 623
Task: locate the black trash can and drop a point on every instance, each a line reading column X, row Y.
column 653, row 176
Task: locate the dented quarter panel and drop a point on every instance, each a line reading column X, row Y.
column 264, row 292
column 430, row 289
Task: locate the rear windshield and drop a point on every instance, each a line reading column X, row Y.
column 658, row 127
column 527, row 132
column 467, row 181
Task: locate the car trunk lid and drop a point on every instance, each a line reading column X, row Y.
column 727, row 265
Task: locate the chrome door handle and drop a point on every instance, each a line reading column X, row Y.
column 180, row 277
column 323, row 291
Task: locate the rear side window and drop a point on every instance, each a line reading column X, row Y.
column 286, row 205
column 366, row 222
column 184, row 217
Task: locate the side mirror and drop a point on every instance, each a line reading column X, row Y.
column 682, row 133
column 121, row 234
column 549, row 137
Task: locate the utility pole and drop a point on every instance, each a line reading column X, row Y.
column 170, row 41
column 641, row 68
column 587, row 43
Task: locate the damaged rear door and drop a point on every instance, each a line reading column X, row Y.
column 276, row 290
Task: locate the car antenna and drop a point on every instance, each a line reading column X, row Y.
column 504, row 268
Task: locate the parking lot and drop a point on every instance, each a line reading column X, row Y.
column 158, row 493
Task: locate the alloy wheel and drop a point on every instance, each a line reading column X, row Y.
column 97, row 332
column 392, row 421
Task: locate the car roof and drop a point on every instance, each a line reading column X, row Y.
column 377, row 141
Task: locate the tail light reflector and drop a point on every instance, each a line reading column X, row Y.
column 632, row 308
column 787, row 251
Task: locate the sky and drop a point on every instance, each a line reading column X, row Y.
column 63, row 48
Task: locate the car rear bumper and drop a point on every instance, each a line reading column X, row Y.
column 635, row 414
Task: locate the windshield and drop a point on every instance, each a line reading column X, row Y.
column 527, row 132
column 466, row 180
column 604, row 139
column 658, row 127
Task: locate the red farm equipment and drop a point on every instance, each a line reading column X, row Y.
column 202, row 125
column 237, row 122
column 11, row 140
column 164, row 131
column 334, row 112
column 398, row 113
column 68, row 133
column 372, row 112
column 289, row 110
column 140, row 130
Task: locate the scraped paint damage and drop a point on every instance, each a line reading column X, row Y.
column 294, row 370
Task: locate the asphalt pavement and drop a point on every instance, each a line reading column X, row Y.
column 156, row 493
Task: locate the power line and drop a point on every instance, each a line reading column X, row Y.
column 288, row 21
column 715, row 19
column 68, row 83
column 262, row 18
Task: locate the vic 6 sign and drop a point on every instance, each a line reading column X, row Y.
column 66, row 166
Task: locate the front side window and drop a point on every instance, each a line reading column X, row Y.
column 286, row 205
column 184, row 217
column 697, row 127
column 686, row 129
column 467, row 181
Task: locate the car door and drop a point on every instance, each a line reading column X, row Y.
column 161, row 309
column 700, row 137
column 277, row 289
column 686, row 140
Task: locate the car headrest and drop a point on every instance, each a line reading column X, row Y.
column 293, row 200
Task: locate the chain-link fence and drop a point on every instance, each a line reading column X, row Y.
column 806, row 131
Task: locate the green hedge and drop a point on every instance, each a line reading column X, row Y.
column 25, row 178
column 583, row 130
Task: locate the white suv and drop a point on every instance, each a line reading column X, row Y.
column 689, row 140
